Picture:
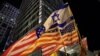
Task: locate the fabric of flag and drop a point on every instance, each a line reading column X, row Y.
column 48, row 42
column 67, row 39
column 70, row 31
column 49, row 48
column 70, row 28
column 44, row 40
column 21, row 45
column 60, row 17
column 65, row 23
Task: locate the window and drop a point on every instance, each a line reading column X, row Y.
column 4, row 25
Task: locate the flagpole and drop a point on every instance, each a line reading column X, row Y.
column 81, row 49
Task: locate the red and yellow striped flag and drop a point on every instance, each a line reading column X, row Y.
column 21, row 45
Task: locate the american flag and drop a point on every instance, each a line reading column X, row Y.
column 47, row 39
column 21, row 45
column 49, row 48
column 70, row 32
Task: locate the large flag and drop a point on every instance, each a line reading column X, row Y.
column 59, row 17
column 70, row 32
column 21, row 45
column 45, row 39
column 48, row 42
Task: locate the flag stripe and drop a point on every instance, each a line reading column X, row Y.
column 68, row 23
column 19, row 50
column 25, row 37
column 37, row 45
column 48, row 52
column 48, row 47
column 58, row 47
column 48, row 39
column 53, row 26
column 62, row 24
column 29, row 36
column 21, row 44
column 47, row 42
column 50, row 34
column 74, row 40
column 29, row 41
column 69, row 37
column 69, row 34
column 33, row 37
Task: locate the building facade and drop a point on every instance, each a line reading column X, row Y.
column 33, row 13
column 8, row 15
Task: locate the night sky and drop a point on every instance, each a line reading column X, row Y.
column 87, row 15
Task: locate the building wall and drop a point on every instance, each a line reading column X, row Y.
column 8, row 15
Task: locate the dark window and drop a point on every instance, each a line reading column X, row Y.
column 4, row 25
